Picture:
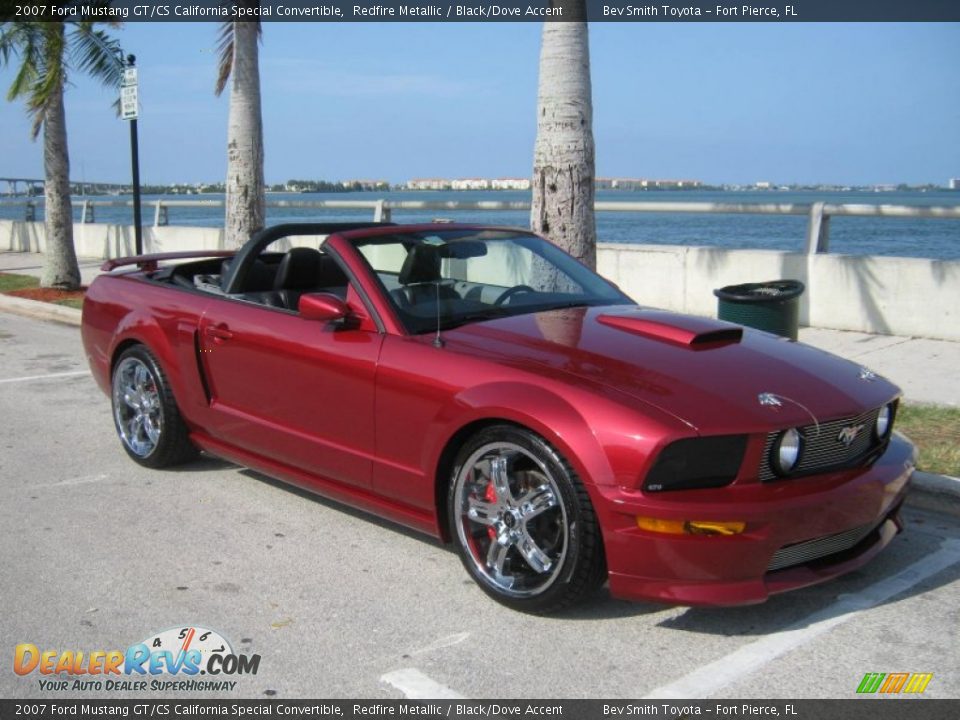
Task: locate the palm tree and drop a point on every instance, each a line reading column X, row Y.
column 563, row 158
column 246, row 192
column 48, row 52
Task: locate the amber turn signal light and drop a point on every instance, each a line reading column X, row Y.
column 690, row 527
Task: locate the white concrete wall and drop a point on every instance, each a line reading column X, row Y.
column 99, row 240
column 884, row 295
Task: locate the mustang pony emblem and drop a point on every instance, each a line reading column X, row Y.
column 849, row 434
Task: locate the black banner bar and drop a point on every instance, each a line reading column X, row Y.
column 857, row 709
column 485, row 11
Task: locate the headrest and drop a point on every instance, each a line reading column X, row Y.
column 299, row 269
column 259, row 277
column 422, row 265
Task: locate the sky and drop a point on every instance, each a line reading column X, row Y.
column 870, row 103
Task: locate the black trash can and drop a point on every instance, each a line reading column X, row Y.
column 772, row 306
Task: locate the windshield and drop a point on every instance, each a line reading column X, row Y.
column 460, row 276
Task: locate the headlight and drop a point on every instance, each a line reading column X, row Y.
column 786, row 451
column 882, row 427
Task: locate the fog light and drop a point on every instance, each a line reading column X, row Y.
column 690, row 527
column 786, row 451
column 882, row 427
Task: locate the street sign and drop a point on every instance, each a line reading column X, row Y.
column 129, row 76
column 128, row 102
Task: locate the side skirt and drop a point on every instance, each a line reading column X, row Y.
column 358, row 498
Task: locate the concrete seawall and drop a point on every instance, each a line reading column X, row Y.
column 880, row 295
column 872, row 294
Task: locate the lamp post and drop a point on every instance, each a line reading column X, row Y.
column 129, row 111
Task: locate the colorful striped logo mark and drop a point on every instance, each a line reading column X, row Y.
column 892, row 683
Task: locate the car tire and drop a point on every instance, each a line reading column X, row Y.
column 523, row 523
column 145, row 413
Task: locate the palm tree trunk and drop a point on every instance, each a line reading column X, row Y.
column 246, row 201
column 563, row 162
column 60, row 268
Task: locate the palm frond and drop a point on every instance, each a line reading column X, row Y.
column 21, row 40
column 96, row 54
column 23, row 81
column 51, row 74
column 225, row 52
column 15, row 37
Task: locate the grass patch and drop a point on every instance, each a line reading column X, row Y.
column 28, row 287
column 12, row 281
column 76, row 303
column 936, row 432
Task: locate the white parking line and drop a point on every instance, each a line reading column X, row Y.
column 30, row 378
column 84, row 480
column 708, row 679
column 416, row 686
column 444, row 642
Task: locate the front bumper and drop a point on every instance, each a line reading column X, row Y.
column 824, row 525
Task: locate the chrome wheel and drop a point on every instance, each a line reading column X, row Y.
column 137, row 406
column 510, row 519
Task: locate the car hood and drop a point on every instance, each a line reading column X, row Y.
column 709, row 374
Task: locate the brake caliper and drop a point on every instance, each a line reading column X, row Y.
column 491, row 497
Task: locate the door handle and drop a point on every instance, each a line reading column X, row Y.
column 218, row 333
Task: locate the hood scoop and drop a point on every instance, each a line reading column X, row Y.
column 687, row 331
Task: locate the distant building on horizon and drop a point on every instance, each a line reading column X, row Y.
column 517, row 183
column 428, row 184
column 470, row 184
column 605, row 183
column 510, row 184
column 953, row 183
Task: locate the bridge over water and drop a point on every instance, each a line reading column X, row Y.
column 34, row 186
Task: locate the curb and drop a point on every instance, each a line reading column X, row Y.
column 40, row 310
column 940, row 493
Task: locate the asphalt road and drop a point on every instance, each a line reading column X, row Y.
column 97, row 553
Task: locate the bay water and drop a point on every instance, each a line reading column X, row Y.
column 903, row 237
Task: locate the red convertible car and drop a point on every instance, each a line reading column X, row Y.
column 480, row 385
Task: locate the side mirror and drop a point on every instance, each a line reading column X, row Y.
column 324, row 307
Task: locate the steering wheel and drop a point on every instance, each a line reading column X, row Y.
column 510, row 292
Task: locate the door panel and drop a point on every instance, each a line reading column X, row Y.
column 297, row 391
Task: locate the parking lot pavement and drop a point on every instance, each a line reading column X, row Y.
column 97, row 553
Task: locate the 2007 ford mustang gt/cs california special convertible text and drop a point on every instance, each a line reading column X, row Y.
column 480, row 385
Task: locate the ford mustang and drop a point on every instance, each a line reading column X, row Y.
column 480, row 385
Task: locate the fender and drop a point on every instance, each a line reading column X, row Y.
column 173, row 346
column 553, row 418
column 615, row 457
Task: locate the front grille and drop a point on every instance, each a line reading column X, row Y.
column 804, row 552
column 822, row 448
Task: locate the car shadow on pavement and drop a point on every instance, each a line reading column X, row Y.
column 204, row 463
column 346, row 509
column 602, row 606
column 802, row 608
column 792, row 609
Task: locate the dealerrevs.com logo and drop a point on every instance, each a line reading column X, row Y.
column 167, row 661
